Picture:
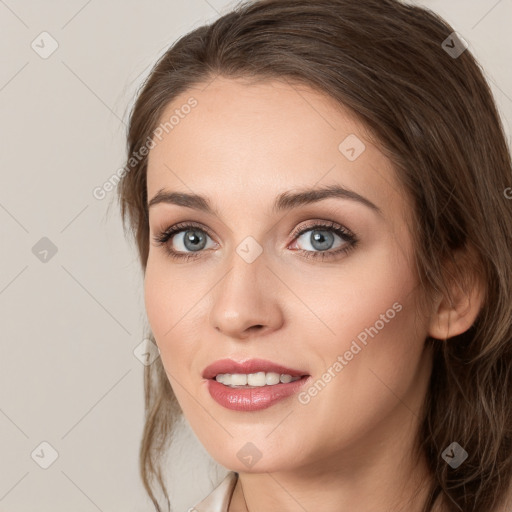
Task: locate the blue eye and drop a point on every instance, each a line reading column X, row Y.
column 194, row 238
column 321, row 239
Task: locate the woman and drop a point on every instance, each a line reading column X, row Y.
column 317, row 191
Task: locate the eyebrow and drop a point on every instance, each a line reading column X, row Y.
column 284, row 201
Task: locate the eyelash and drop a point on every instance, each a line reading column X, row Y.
column 347, row 236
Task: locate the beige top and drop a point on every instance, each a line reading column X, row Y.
column 218, row 500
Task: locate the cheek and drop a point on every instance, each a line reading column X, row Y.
column 166, row 296
column 352, row 297
column 369, row 320
column 172, row 309
column 375, row 354
column 157, row 299
column 163, row 305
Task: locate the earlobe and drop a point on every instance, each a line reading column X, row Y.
column 456, row 314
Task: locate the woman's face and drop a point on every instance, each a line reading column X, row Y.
column 346, row 314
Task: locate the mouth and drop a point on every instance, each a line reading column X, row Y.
column 253, row 384
column 256, row 380
column 246, row 397
column 252, row 369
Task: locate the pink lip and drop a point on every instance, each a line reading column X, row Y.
column 249, row 366
column 252, row 399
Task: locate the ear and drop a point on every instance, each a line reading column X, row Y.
column 456, row 314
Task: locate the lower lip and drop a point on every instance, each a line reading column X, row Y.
column 252, row 399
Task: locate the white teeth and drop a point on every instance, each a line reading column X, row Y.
column 238, row 379
column 272, row 378
column 255, row 379
column 258, row 379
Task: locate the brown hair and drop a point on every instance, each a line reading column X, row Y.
column 434, row 116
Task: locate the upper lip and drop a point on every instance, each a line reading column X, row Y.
column 248, row 366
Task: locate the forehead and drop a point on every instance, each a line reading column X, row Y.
column 253, row 141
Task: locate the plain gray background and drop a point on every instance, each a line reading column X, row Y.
column 71, row 323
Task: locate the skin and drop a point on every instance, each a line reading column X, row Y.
column 352, row 446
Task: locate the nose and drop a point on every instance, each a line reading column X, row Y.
column 247, row 300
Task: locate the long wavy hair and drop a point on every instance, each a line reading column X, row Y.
column 433, row 114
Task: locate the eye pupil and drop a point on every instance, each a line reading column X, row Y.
column 320, row 241
column 197, row 241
